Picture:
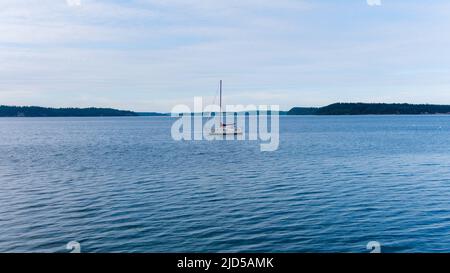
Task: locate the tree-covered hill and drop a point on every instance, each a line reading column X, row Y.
column 372, row 109
column 35, row 111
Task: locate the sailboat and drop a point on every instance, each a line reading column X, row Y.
column 224, row 129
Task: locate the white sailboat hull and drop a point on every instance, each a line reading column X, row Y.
column 223, row 131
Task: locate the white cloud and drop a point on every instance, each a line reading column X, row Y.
column 374, row 2
column 73, row 3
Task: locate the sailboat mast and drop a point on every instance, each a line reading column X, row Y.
column 220, row 101
column 220, row 96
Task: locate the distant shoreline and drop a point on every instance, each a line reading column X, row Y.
column 37, row 111
column 350, row 109
column 372, row 109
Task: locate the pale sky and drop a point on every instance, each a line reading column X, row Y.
column 149, row 55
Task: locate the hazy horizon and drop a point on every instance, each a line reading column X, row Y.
column 149, row 55
column 168, row 112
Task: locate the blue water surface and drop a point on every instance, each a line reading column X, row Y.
column 123, row 185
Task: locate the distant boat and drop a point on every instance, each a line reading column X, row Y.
column 224, row 129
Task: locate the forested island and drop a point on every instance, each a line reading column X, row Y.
column 151, row 114
column 332, row 109
column 35, row 111
column 372, row 109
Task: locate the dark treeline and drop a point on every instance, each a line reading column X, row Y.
column 35, row 111
column 372, row 109
column 151, row 114
column 332, row 109
column 303, row 111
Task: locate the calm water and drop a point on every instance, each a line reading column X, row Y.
column 123, row 185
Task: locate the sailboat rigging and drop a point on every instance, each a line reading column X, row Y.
column 224, row 129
